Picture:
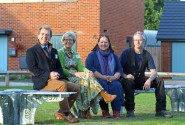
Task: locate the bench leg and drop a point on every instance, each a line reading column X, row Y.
column 29, row 104
column 182, row 99
column 6, row 110
column 28, row 107
column 1, row 115
column 174, row 98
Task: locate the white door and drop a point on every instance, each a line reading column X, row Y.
column 3, row 53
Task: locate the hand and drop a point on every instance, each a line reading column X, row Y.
column 104, row 77
column 54, row 75
column 111, row 78
column 90, row 73
column 79, row 74
column 117, row 75
column 147, row 84
column 130, row 76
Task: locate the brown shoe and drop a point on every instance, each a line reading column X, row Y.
column 107, row 97
column 81, row 114
column 70, row 117
column 85, row 114
column 88, row 114
column 59, row 116
column 77, row 120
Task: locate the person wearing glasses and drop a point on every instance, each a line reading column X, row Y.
column 47, row 74
column 135, row 61
column 74, row 70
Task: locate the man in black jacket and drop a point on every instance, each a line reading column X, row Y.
column 45, row 68
column 134, row 62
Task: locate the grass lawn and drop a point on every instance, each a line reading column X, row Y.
column 145, row 114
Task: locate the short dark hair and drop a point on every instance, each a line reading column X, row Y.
column 46, row 27
column 103, row 35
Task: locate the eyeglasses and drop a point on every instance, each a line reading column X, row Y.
column 69, row 40
column 138, row 40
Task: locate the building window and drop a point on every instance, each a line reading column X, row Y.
column 56, row 41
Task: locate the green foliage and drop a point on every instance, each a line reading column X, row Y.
column 152, row 13
column 2, row 78
column 24, row 77
column 16, row 87
column 17, row 77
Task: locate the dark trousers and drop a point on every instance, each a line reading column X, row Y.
column 129, row 87
column 116, row 105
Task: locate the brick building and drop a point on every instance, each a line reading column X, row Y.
column 20, row 21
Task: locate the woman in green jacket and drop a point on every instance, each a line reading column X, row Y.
column 74, row 71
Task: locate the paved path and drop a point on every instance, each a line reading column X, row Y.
column 166, row 82
column 17, row 84
column 31, row 84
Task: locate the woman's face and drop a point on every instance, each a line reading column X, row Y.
column 68, row 42
column 103, row 44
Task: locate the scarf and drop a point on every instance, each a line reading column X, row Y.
column 69, row 54
column 107, row 62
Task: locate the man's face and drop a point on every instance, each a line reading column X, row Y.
column 44, row 36
column 138, row 41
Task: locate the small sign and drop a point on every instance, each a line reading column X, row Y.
column 12, row 52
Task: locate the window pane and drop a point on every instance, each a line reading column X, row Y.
column 56, row 41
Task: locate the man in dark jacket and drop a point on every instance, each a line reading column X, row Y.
column 43, row 63
column 134, row 62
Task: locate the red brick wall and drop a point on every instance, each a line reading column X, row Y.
column 121, row 18
column 25, row 19
column 166, row 53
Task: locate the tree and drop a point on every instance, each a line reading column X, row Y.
column 152, row 13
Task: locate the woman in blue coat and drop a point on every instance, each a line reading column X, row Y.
column 107, row 69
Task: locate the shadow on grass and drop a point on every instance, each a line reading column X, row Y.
column 140, row 119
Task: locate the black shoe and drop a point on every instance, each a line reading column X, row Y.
column 163, row 113
column 130, row 113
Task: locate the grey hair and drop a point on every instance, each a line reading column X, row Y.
column 67, row 34
column 141, row 34
column 46, row 27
